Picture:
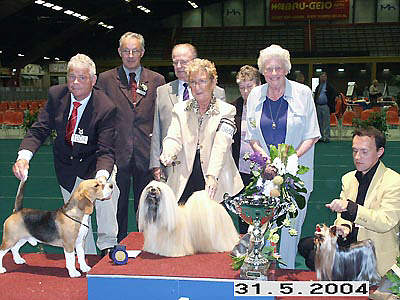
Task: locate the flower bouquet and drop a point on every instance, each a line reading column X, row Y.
column 276, row 192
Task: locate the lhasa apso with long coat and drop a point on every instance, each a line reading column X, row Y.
column 201, row 225
column 355, row 263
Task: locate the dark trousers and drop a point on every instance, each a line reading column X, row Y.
column 195, row 182
column 140, row 179
column 243, row 226
column 306, row 249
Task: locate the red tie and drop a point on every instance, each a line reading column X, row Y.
column 133, row 85
column 72, row 122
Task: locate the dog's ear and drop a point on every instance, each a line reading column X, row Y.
column 85, row 205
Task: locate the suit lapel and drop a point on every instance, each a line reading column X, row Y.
column 373, row 187
column 123, row 83
column 87, row 114
column 144, row 80
column 64, row 109
column 173, row 92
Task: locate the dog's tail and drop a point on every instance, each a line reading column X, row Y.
column 20, row 196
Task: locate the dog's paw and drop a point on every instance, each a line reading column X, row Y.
column 19, row 260
column 2, row 270
column 85, row 268
column 74, row 273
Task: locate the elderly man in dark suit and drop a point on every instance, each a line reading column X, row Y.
column 132, row 88
column 168, row 95
column 84, row 147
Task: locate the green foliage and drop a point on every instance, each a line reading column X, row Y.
column 29, row 119
column 394, row 279
column 376, row 119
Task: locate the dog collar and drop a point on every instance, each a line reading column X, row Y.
column 77, row 221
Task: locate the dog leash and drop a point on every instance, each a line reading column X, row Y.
column 77, row 221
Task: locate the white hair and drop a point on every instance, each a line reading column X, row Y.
column 82, row 61
column 274, row 51
column 132, row 35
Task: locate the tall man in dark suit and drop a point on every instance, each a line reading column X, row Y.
column 324, row 99
column 168, row 95
column 84, row 147
column 132, row 88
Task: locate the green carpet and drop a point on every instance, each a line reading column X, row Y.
column 42, row 191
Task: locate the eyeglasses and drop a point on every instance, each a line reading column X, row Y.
column 127, row 52
column 277, row 69
column 201, row 82
column 181, row 62
column 80, row 78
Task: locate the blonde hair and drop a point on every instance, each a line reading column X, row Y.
column 248, row 73
column 198, row 65
column 274, row 51
column 82, row 60
column 190, row 47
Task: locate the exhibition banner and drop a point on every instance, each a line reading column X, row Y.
column 300, row 10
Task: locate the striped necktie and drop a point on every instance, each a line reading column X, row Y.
column 71, row 123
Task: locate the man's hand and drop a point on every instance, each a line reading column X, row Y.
column 211, row 186
column 157, row 173
column 337, row 205
column 20, row 169
column 343, row 231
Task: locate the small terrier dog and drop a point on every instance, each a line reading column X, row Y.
column 355, row 263
column 66, row 227
column 201, row 225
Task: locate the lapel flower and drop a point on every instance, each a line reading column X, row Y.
column 253, row 123
column 143, row 87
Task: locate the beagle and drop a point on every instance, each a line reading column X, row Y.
column 66, row 227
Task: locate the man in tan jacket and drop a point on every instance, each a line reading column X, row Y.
column 369, row 204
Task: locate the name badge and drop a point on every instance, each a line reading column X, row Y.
column 80, row 139
column 143, row 93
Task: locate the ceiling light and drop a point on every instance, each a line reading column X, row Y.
column 144, row 9
column 110, row 27
column 340, row 70
column 48, row 4
column 39, row 2
column 56, row 58
column 386, row 70
column 363, row 71
column 77, row 15
column 318, row 70
column 14, row 70
column 84, row 18
column 101, row 23
column 45, row 57
column 56, row 7
column 194, row 5
column 20, row 55
column 68, row 12
column 1, row 51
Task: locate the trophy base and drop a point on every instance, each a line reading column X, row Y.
column 260, row 271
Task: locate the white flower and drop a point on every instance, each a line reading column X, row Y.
column 286, row 222
column 268, row 186
column 260, row 182
column 274, row 238
column 277, row 163
column 292, row 231
column 246, row 156
column 292, row 208
column 276, row 256
column 292, row 164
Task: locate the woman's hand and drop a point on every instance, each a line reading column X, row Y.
column 343, row 231
column 211, row 186
column 166, row 160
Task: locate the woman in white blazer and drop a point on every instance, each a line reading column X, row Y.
column 198, row 143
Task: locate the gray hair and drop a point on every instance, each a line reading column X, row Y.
column 190, row 47
column 274, row 51
column 82, row 60
column 132, row 35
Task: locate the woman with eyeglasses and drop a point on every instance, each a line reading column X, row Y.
column 283, row 111
column 198, row 143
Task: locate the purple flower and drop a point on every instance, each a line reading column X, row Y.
column 257, row 158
